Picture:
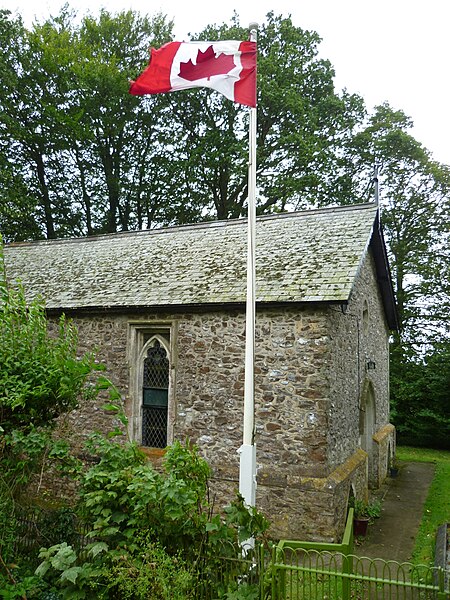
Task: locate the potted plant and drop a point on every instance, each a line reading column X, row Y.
column 393, row 467
column 364, row 513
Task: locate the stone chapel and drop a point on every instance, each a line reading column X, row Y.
column 165, row 311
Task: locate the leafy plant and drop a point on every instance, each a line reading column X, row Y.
column 394, row 465
column 244, row 591
column 370, row 510
column 41, row 375
column 150, row 573
column 135, row 511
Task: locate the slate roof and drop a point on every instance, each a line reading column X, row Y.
column 309, row 256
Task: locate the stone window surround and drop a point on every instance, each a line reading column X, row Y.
column 365, row 317
column 140, row 336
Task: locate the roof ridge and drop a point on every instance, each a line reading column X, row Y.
column 200, row 225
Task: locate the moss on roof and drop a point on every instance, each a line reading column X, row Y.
column 300, row 257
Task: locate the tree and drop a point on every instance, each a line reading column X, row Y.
column 121, row 136
column 68, row 128
column 415, row 206
column 302, row 127
column 30, row 122
column 420, row 390
column 95, row 159
column 415, row 202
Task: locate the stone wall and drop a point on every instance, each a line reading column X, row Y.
column 314, row 508
column 359, row 334
column 310, row 368
column 107, row 336
column 208, row 379
column 290, row 387
column 384, row 451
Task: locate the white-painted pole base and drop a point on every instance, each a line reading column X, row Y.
column 247, row 474
column 247, row 482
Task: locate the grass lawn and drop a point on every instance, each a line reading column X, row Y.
column 437, row 506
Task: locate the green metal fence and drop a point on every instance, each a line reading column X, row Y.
column 292, row 570
column 311, row 575
column 314, row 571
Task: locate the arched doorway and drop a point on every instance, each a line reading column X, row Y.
column 367, row 428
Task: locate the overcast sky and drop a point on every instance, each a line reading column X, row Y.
column 389, row 50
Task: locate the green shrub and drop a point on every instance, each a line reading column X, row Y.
column 148, row 573
column 370, row 510
column 41, row 377
column 138, row 515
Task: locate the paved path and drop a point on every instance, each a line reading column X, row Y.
column 392, row 536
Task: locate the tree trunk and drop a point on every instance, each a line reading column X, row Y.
column 45, row 196
column 113, row 189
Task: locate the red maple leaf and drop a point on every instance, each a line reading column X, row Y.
column 207, row 65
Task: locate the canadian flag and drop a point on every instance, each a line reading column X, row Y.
column 228, row 67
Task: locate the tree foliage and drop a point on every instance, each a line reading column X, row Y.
column 303, row 124
column 415, row 193
column 421, row 394
column 69, row 131
column 79, row 155
column 93, row 158
column 41, row 376
column 415, row 204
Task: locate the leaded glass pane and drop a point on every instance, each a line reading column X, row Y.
column 156, row 367
column 154, row 427
column 155, row 397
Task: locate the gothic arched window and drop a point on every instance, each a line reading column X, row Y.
column 155, row 395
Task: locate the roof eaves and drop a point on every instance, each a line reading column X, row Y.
column 384, row 277
column 179, row 308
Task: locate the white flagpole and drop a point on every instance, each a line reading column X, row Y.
column 247, row 471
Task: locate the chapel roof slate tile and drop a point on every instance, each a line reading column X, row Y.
column 308, row 256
